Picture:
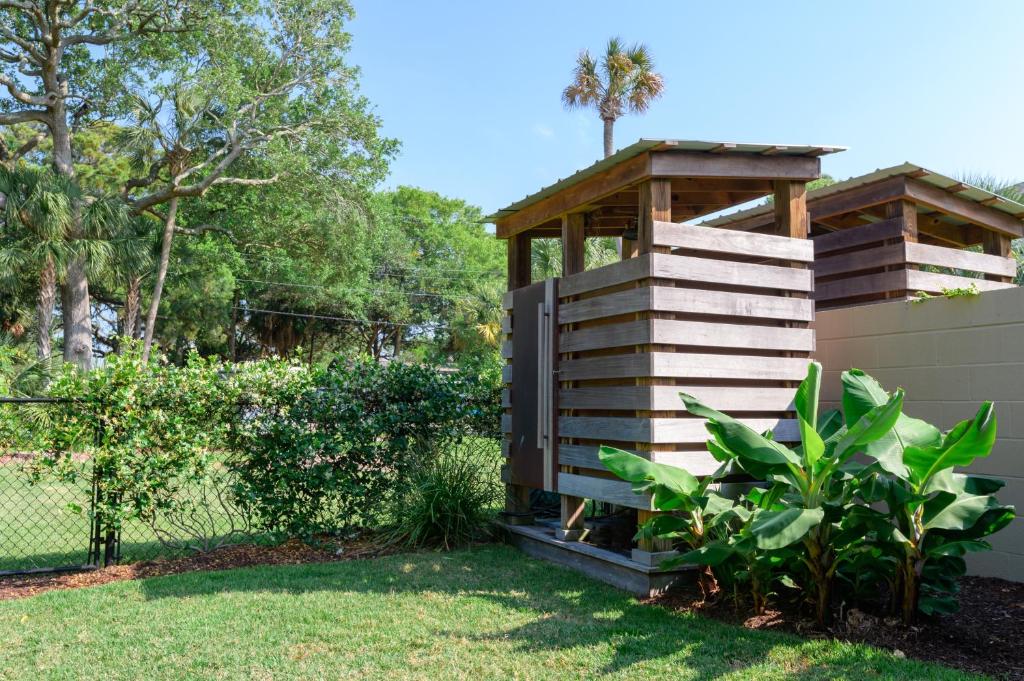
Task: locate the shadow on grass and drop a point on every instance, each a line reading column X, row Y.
column 552, row 610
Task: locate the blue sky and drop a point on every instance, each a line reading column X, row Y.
column 472, row 89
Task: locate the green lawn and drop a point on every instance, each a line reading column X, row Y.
column 489, row 613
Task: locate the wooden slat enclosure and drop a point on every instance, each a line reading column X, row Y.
column 722, row 315
column 882, row 261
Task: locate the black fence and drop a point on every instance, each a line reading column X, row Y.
column 50, row 523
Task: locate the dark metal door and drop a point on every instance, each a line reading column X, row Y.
column 533, row 450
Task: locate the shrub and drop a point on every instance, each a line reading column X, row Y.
column 449, row 498
column 333, row 459
column 152, row 433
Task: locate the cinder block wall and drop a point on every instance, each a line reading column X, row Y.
column 949, row 355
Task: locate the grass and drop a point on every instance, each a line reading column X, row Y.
column 488, row 613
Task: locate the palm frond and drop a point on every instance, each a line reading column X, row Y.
column 625, row 80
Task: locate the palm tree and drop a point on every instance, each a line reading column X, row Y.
column 171, row 138
column 38, row 216
column 132, row 260
column 624, row 82
column 546, row 256
column 49, row 226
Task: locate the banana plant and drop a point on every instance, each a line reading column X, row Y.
column 674, row 490
column 734, row 553
column 813, row 480
column 938, row 515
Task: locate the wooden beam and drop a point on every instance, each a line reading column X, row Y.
column 791, row 217
column 712, row 239
column 750, row 166
column 655, row 206
column 965, row 209
column 859, row 198
column 954, row 235
column 575, row 196
column 573, row 243
column 682, row 185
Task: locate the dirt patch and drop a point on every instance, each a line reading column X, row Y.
column 983, row 637
column 289, row 553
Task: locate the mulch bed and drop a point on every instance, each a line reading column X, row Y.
column 983, row 637
column 243, row 555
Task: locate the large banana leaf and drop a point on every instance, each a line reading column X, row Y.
column 861, row 393
column 948, row 481
column 778, row 529
column 757, row 454
column 947, row 511
column 672, row 488
column 712, row 554
column 871, row 425
column 806, row 400
column 968, row 441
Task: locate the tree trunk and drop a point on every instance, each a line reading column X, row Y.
column 312, row 340
column 232, row 343
column 44, row 307
column 911, row 589
column 161, row 275
column 132, row 303
column 77, row 315
column 398, row 340
column 818, row 563
column 609, row 145
column 75, row 298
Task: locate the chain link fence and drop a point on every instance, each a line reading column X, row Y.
column 50, row 524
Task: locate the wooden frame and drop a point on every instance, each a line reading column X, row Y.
column 721, row 314
column 611, row 196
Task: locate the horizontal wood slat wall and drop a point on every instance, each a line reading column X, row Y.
column 722, row 315
column 881, row 261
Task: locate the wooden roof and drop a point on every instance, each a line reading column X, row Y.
column 706, row 177
column 950, row 212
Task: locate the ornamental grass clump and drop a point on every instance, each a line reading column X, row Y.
column 449, row 498
column 894, row 517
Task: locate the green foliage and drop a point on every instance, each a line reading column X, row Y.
column 151, row 430
column 961, row 292
column 449, row 497
column 333, row 457
column 823, row 516
column 938, row 516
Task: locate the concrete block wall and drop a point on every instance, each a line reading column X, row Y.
column 949, row 355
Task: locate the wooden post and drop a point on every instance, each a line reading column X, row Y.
column 573, row 516
column 651, row 551
column 905, row 212
column 791, row 209
column 655, row 205
column 573, row 509
column 519, row 269
column 517, row 497
column 573, row 243
column 995, row 243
